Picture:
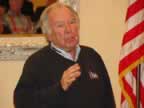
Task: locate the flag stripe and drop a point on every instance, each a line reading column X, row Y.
column 131, row 2
column 132, row 45
column 125, row 104
column 129, row 59
column 131, row 81
column 135, row 19
column 129, row 92
column 134, row 8
column 131, row 34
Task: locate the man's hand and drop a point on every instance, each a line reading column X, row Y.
column 69, row 76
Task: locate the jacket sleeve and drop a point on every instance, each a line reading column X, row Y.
column 109, row 101
column 28, row 93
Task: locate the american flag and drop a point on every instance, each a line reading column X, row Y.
column 132, row 55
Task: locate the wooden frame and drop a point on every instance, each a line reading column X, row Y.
column 20, row 46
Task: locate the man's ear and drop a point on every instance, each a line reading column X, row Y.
column 49, row 38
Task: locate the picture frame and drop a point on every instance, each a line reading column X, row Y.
column 20, row 46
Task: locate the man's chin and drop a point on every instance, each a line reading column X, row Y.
column 70, row 48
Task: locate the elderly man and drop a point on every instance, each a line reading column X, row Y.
column 64, row 74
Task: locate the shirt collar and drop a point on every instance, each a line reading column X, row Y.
column 66, row 54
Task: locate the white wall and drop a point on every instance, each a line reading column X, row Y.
column 9, row 74
column 102, row 27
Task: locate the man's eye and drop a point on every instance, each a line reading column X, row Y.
column 73, row 21
column 60, row 25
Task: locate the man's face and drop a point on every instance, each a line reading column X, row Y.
column 65, row 28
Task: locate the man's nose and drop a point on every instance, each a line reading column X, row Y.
column 68, row 28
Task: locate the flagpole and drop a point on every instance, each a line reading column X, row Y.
column 138, row 86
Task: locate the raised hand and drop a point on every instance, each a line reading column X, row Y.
column 69, row 76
